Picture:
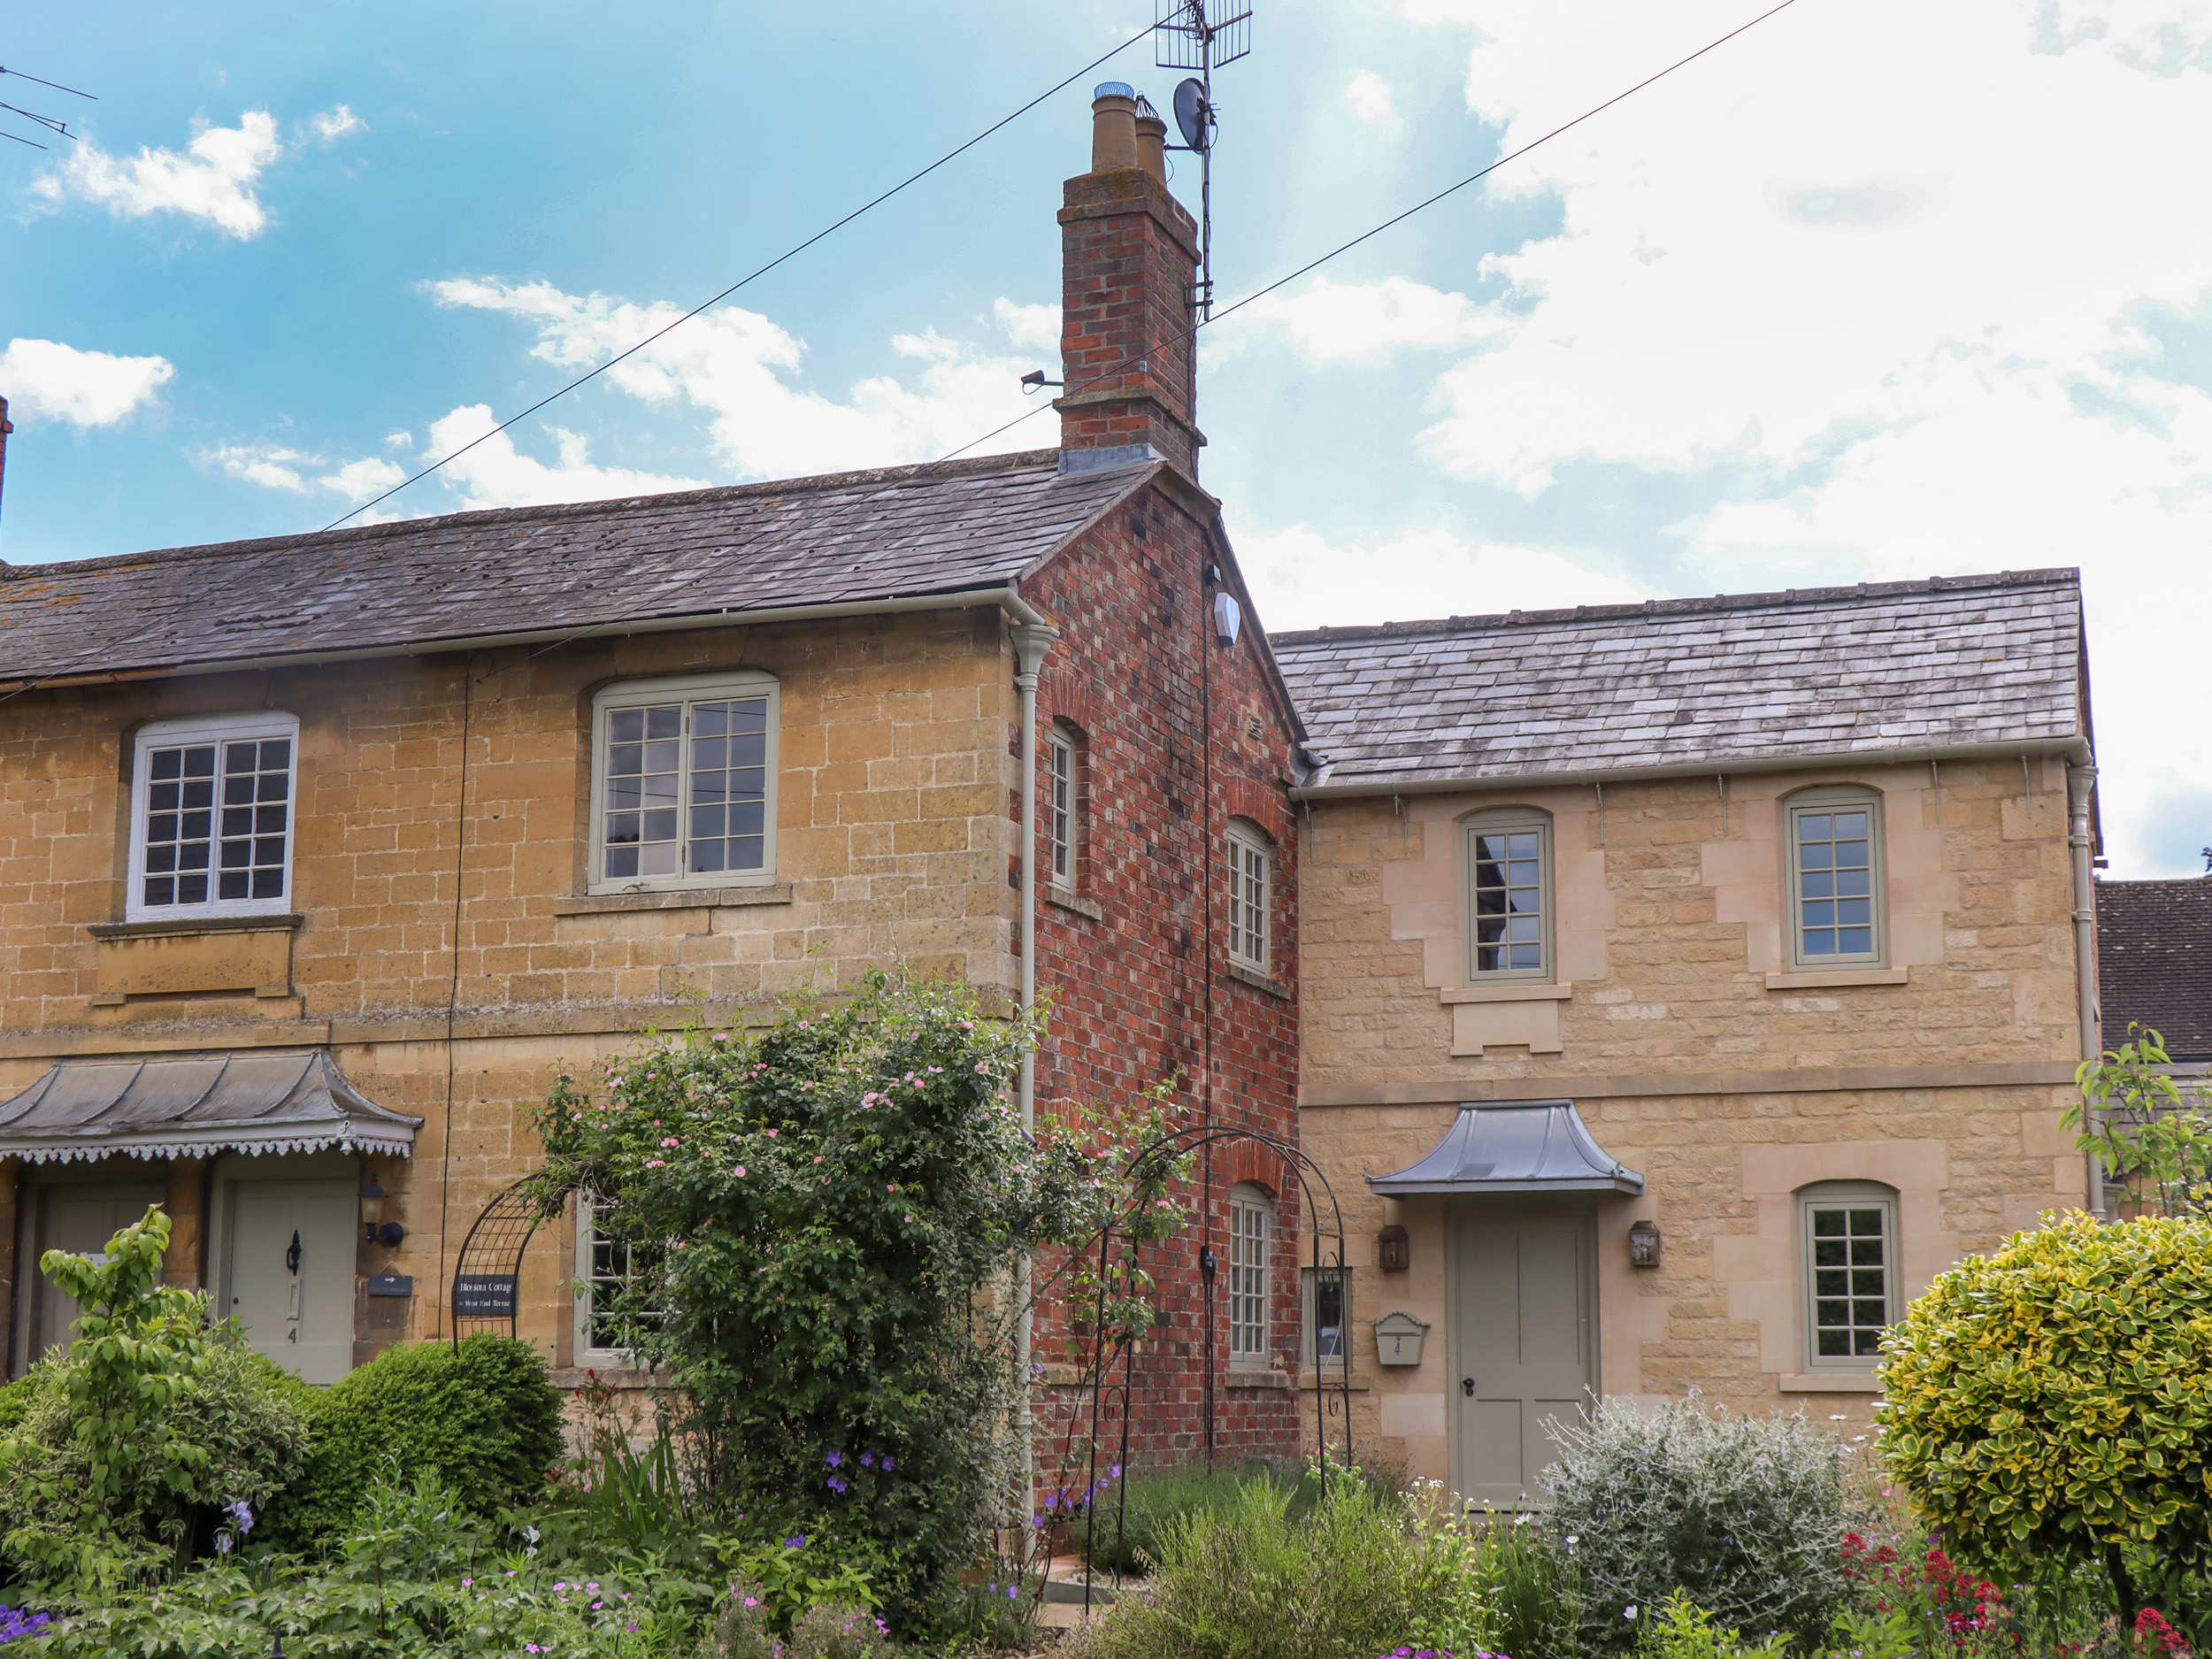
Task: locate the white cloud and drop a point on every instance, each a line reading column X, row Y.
column 334, row 124
column 1036, row 326
column 213, row 181
column 1368, row 97
column 278, row 467
column 401, row 439
column 1301, row 580
column 1887, row 297
column 1343, row 322
column 740, row 369
column 494, row 473
column 44, row 378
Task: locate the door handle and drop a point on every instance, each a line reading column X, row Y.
column 1467, row 1386
column 292, row 1255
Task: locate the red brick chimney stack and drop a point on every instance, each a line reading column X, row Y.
column 1129, row 268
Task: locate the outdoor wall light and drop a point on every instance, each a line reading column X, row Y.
column 1643, row 1244
column 1393, row 1248
column 387, row 1233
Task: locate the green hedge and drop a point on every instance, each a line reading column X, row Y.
column 483, row 1415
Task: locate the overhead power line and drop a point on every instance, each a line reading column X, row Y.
column 57, row 85
column 1398, row 218
column 789, row 253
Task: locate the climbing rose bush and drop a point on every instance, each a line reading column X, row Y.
column 826, row 1218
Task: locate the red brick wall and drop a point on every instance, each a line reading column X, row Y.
column 1171, row 752
column 1129, row 259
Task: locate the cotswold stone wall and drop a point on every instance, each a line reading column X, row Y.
column 1697, row 1058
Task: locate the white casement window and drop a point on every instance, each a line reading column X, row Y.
column 1251, row 882
column 1328, row 1340
column 212, row 816
column 1251, row 1234
column 1833, row 844
column 605, row 1267
column 1509, row 895
column 1060, row 808
column 683, row 784
column 1849, row 1241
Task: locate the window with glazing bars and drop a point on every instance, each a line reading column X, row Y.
column 1060, row 810
column 686, row 785
column 1250, row 1225
column 1835, row 856
column 605, row 1267
column 1328, row 1345
column 1508, row 896
column 1250, row 880
column 1851, row 1268
column 214, row 826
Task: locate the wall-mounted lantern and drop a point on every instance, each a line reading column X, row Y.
column 390, row 1234
column 1643, row 1244
column 1398, row 1339
column 1393, row 1248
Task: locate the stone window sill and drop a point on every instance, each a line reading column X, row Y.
column 1258, row 1380
column 1822, row 977
column 1067, row 899
column 1243, row 975
column 1834, row 1382
column 1508, row 993
column 281, row 922
column 673, row 899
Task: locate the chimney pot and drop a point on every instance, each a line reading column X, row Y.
column 1113, row 127
column 1152, row 144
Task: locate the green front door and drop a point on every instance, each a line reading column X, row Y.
column 1524, row 1340
column 290, row 1278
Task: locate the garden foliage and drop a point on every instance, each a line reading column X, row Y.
column 1122, row 1531
column 2046, row 1401
column 482, row 1415
column 828, row 1216
column 1746, row 1516
column 129, row 1448
column 2152, row 1132
column 1362, row 1573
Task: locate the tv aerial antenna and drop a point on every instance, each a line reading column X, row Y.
column 1204, row 35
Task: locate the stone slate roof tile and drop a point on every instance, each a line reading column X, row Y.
column 899, row 533
column 1956, row 661
column 2155, row 963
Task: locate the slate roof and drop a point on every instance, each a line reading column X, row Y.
column 902, row 532
column 1691, row 683
column 2154, row 961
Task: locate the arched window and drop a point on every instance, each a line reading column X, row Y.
column 1832, row 845
column 1251, row 1243
column 1849, row 1238
column 1509, row 861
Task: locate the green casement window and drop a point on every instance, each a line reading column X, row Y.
column 1848, row 1234
column 1833, row 841
column 1508, row 885
column 683, row 783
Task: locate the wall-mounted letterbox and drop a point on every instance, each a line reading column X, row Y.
column 1398, row 1339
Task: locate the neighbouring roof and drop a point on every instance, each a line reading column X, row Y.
column 1691, row 683
column 2155, row 963
column 1528, row 1147
column 851, row 537
column 171, row 1106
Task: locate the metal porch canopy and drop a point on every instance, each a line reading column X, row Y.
column 195, row 1105
column 1513, row 1146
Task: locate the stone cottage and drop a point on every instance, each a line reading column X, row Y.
column 319, row 853
column 1683, row 985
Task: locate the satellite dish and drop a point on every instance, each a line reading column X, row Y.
column 1192, row 113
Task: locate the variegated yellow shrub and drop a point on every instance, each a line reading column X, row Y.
column 2053, row 1400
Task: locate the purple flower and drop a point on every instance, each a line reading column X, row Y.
column 1013, row 1592
column 836, row 1484
column 1114, row 1473
column 241, row 1513
column 1052, row 1499
column 799, row 1542
column 834, row 1458
column 867, row 1460
column 887, row 1463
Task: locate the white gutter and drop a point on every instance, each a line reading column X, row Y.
column 2081, row 782
column 1033, row 638
column 1002, row 598
column 2075, row 750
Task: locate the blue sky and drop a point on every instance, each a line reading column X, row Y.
column 1879, row 291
